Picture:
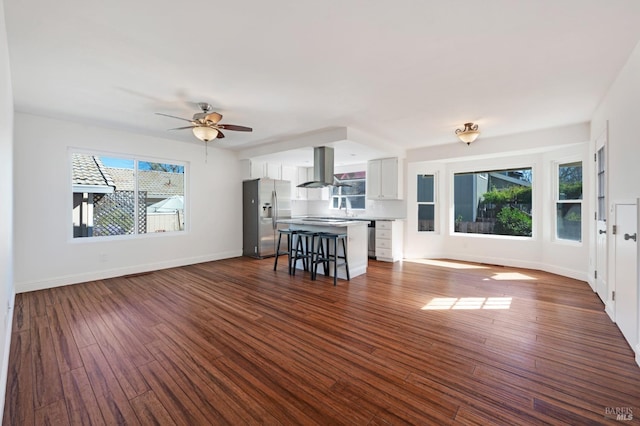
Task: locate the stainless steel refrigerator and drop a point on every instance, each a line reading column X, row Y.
column 264, row 202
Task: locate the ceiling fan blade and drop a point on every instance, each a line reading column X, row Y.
column 235, row 127
column 182, row 128
column 173, row 116
column 220, row 135
column 214, row 117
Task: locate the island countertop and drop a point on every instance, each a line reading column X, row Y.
column 357, row 244
column 324, row 221
column 362, row 218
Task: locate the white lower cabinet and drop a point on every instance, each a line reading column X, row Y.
column 388, row 240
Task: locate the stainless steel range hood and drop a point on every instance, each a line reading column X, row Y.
column 322, row 168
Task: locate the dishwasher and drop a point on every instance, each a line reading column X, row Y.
column 372, row 239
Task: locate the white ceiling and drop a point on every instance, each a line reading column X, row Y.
column 403, row 74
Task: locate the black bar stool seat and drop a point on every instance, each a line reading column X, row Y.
column 327, row 253
column 289, row 233
column 305, row 250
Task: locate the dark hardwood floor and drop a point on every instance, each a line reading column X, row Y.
column 233, row 342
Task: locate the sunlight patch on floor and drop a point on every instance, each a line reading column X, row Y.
column 509, row 276
column 451, row 303
column 446, row 264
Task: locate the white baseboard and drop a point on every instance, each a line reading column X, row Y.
column 5, row 358
column 354, row 272
column 609, row 308
column 519, row 263
column 637, row 351
column 566, row 272
column 516, row 263
column 22, row 287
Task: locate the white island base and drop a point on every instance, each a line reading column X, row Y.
column 357, row 242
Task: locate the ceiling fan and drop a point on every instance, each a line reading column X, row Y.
column 205, row 125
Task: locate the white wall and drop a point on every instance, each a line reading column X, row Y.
column 6, row 207
column 543, row 251
column 621, row 107
column 47, row 256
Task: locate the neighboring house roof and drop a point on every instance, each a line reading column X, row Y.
column 123, row 178
column 90, row 175
column 157, row 184
column 510, row 179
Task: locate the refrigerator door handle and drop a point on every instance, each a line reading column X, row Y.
column 274, row 216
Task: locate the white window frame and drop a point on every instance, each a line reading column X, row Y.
column 428, row 203
column 490, row 167
column 339, row 196
column 136, row 159
column 556, row 194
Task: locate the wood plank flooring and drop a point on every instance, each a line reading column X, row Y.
column 233, row 342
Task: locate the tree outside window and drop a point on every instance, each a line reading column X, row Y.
column 569, row 202
column 494, row 202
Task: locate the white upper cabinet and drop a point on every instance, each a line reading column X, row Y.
column 296, row 175
column 290, row 173
column 262, row 169
column 273, row 171
column 300, row 177
column 384, row 179
column 258, row 169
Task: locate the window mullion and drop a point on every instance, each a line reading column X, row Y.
column 136, row 207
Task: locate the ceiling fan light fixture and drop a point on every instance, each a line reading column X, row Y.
column 469, row 134
column 205, row 125
column 205, row 133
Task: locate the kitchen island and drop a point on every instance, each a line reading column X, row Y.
column 356, row 230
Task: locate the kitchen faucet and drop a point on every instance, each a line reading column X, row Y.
column 346, row 207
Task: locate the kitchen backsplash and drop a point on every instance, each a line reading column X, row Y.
column 374, row 208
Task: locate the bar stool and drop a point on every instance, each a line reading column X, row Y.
column 290, row 233
column 305, row 251
column 326, row 255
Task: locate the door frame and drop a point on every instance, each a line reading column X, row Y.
column 602, row 141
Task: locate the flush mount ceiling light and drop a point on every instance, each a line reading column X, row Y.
column 469, row 133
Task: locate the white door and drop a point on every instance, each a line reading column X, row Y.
column 626, row 277
column 601, row 218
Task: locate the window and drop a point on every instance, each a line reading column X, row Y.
column 349, row 197
column 125, row 196
column 569, row 202
column 602, row 205
column 496, row 202
column 426, row 203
